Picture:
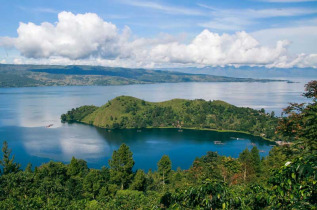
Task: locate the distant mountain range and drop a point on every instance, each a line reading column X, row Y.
column 251, row 72
column 54, row 75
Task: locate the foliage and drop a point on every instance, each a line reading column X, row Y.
column 139, row 181
column 295, row 185
column 78, row 113
column 128, row 112
column 164, row 167
column 121, row 166
column 301, row 123
column 8, row 165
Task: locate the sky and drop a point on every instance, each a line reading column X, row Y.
column 160, row 33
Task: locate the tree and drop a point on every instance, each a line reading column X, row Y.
column 244, row 158
column 300, row 125
column 77, row 167
column 294, row 184
column 139, row 182
column 255, row 160
column 92, row 183
column 8, row 165
column 121, row 166
column 164, row 167
column 28, row 168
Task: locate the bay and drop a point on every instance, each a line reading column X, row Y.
column 25, row 113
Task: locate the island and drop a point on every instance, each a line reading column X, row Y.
column 284, row 179
column 128, row 112
column 73, row 75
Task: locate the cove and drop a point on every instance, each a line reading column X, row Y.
column 147, row 145
column 25, row 112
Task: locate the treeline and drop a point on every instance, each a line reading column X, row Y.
column 213, row 181
column 128, row 112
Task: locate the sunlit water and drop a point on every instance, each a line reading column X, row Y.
column 24, row 113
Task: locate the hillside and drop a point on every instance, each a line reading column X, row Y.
column 49, row 75
column 130, row 112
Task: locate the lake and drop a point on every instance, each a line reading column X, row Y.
column 25, row 113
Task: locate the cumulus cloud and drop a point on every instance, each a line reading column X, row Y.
column 213, row 49
column 88, row 39
column 74, row 36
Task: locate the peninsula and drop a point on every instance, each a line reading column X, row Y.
column 56, row 75
column 129, row 112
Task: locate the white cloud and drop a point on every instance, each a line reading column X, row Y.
column 303, row 38
column 213, row 49
column 164, row 8
column 238, row 19
column 87, row 39
column 74, row 36
column 39, row 10
column 260, row 13
column 18, row 61
column 7, row 42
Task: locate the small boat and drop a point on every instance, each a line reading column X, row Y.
column 50, row 125
column 180, row 130
column 261, row 150
column 218, row 142
column 139, row 131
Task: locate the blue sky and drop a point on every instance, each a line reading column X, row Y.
column 180, row 21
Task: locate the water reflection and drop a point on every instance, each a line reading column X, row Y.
column 37, row 107
column 24, row 113
column 95, row 145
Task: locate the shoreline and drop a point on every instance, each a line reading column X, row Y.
column 184, row 128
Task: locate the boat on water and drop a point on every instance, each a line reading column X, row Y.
column 218, row 142
column 50, row 125
column 236, row 138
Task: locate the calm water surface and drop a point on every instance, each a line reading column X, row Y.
column 24, row 113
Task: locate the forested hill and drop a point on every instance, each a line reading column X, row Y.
column 130, row 112
column 48, row 75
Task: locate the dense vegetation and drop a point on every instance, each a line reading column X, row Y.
column 285, row 179
column 49, row 75
column 129, row 112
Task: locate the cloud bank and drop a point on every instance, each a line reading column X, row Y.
column 88, row 39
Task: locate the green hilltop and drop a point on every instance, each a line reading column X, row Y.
column 129, row 112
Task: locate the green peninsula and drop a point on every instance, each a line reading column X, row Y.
column 129, row 112
column 74, row 75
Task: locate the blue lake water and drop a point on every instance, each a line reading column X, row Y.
column 24, row 113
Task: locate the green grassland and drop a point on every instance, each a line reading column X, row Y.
column 129, row 112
